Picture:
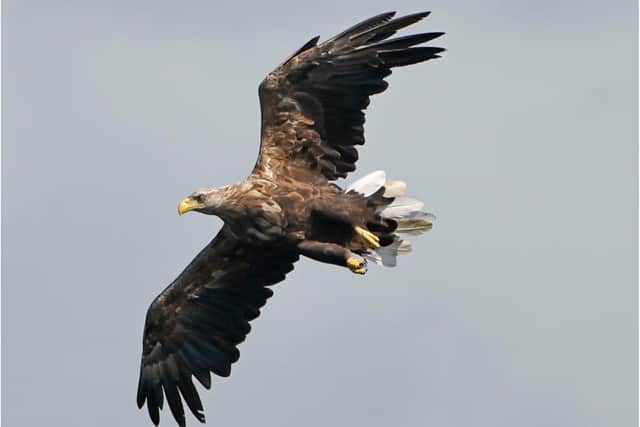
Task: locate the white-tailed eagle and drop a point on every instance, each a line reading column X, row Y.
column 312, row 120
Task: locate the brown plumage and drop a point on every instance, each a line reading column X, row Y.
column 312, row 120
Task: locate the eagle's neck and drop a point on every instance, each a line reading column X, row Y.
column 249, row 210
column 226, row 202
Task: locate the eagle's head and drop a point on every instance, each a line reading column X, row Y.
column 205, row 200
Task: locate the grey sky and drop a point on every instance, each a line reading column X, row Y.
column 519, row 309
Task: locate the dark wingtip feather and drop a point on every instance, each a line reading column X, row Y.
column 154, row 413
column 365, row 25
column 401, row 42
column 412, row 18
column 387, row 29
column 200, row 417
column 414, row 55
column 203, row 377
column 141, row 395
column 175, row 403
column 308, row 45
column 422, row 14
column 190, row 395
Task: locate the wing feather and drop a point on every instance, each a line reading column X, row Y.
column 312, row 104
column 193, row 327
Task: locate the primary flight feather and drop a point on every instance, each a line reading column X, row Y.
column 312, row 120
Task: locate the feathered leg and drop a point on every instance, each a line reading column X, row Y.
column 332, row 254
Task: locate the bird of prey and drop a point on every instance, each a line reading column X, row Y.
column 312, row 120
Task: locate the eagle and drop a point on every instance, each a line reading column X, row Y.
column 312, row 119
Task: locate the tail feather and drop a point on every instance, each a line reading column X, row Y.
column 402, row 207
column 388, row 255
column 368, row 184
column 415, row 225
column 394, row 188
column 407, row 212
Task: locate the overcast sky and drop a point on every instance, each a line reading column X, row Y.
column 519, row 309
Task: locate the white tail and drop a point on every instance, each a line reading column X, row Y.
column 407, row 212
column 368, row 184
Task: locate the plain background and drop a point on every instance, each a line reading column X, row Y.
column 519, row 309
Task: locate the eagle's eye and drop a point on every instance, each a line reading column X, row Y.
column 198, row 197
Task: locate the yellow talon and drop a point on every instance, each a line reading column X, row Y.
column 357, row 265
column 368, row 237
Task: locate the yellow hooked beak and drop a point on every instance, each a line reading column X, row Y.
column 187, row 205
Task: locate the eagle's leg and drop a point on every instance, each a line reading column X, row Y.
column 357, row 265
column 370, row 239
column 332, row 254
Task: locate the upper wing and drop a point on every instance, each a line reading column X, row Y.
column 194, row 325
column 312, row 104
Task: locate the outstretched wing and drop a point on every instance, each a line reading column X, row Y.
column 312, row 104
column 194, row 325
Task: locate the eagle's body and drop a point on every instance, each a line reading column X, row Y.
column 285, row 212
column 265, row 211
column 312, row 120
